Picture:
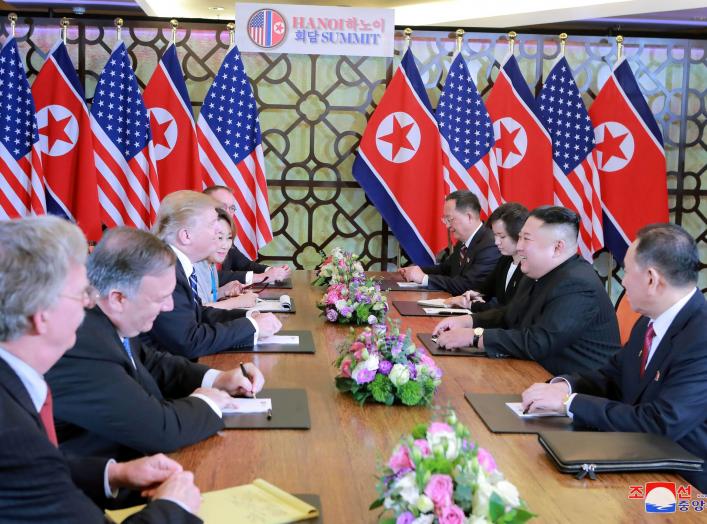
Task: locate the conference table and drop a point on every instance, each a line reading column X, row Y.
column 336, row 459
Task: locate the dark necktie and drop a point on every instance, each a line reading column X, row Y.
column 193, row 283
column 647, row 341
column 462, row 255
column 47, row 417
column 126, row 345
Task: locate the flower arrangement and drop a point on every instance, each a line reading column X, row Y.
column 339, row 267
column 437, row 475
column 358, row 301
column 385, row 366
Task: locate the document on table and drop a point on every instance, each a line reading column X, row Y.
column 517, row 408
column 409, row 285
column 256, row 503
column 289, row 340
column 284, row 303
column 432, row 302
column 444, row 311
column 249, row 405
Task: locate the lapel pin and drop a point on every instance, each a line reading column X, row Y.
column 657, row 376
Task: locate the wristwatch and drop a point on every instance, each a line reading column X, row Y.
column 478, row 332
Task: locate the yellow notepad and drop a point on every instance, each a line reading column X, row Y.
column 256, row 503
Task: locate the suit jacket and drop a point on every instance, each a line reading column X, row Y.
column 236, row 265
column 38, row 484
column 670, row 399
column 455, row 275
column 494, row 287
column 194, row 331
column 104, row 406
column 564, row 321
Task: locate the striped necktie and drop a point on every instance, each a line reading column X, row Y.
column 126, row 345
column 193, row 284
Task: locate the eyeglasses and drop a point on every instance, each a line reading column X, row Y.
column 232, row 208
column 448, row 221
column 89, row 297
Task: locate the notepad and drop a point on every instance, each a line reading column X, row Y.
column 408, row 285
column 444, row 311
column 249, row 405
column 517, row 408
column 432, row 302
column 284, row 303
column 289, row 340
column 257, row 503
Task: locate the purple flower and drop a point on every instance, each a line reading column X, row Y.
column 385, row 366
column 365, row 376
column 405, row 518
column 332, row 315
column 346, row 311
column 413, row 371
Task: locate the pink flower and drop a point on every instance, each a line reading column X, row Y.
column 451, row 515
column 423, row 446
column 439, row 427
column 400, row 460
column 357, row 348
column 439, row 489
column 346, row 368
column 486, row 461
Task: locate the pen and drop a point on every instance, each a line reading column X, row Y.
column 245, row 374
column 526, row 410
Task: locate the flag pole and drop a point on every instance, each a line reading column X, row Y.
column 512, row 41
column 563, row 43
column 175, row 24
column 12, row 17
column 460, row 38
column 64, row 23
column 118, row 22
column 407, row 32
column 231, row 27
column 619, row 47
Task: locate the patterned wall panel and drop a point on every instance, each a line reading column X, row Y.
column 313, row 110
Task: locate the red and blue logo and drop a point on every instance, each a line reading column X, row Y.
column 267, row 28
column 660, row 497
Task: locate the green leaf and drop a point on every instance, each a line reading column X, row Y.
column 496, row 507
column 387, row 520
column 344, row 384
column 376, row 503
column 419, row 431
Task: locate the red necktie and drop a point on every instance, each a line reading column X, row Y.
column 647, row 341
column 462, row 255
column 47, row 417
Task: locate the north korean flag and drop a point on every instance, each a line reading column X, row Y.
column 399, row 165
column 630, row 158
column 174, row 144
column 66, row 143
column 523, row 148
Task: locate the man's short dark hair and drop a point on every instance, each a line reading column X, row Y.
column 513, row 216
column 557, row 216
column 464, row 201
column 671, row 250
column 212, row 189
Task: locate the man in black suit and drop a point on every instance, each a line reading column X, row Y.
column 187, row 222
column 560, row 316
column 475, row 253
column 43, row 292
column 237, row 266
column 156, row 402
column 658, row 382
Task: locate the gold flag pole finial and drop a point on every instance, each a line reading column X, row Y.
column 619, row 47
column 12, row 17
column 118, row 23
column 231, row 26
column 408, row 37
column 460, row 38
column 512, row 41
column 563, row 43
column 64, row 23
column 175, row 24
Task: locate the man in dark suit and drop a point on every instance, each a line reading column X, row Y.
column 237, row 266
column 474, row 255
column 187, row 222
column 156, row 402
column 43, row 292
column 560, row 316
column 658, row 382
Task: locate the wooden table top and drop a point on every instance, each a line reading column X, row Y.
column 336, row 459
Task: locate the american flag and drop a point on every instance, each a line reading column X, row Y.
column 231, row 153
column 21, row 176
column 467, row 138
column 256, row 28
column 576, row 178
column 120, row 123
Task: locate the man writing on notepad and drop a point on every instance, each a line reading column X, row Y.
column 658, row 382
column 115, row 396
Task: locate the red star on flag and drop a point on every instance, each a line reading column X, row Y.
column 158, row 131
column 507, row 141
column 611, row 146
column 398, row 137
column 56, row 129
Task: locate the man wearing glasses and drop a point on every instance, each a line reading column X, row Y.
column 474, row 256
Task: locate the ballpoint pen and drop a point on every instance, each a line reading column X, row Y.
column 245, row 374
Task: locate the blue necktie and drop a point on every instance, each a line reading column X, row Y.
column 193, row 284
column 126, row 345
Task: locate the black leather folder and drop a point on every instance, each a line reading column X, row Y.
column 290, row 410
column 306, row 345
column 278, row 284
column 434, row 349
column 586, row 452
column 499, row 418
column 409, row 308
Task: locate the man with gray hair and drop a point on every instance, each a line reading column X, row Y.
column 560, row 316
column 156, row 402
column 187, row 222
column 43, row 292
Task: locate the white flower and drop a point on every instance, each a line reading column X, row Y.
column 372, row 319
column 445, row 442
column 508, row 493
column 424, row 519
column 371, row 363
column 399, row 375
column 480, row 502
column 340, row 304
column 425, row 504
column 407, row 487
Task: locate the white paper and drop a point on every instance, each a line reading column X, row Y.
column 517, row 408
column 249, row 405
column 279, row 339
column 284, row 303
column 432, row 302
column 445, row 311
column 410, row 285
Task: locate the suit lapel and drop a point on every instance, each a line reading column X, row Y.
column 16, row 389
